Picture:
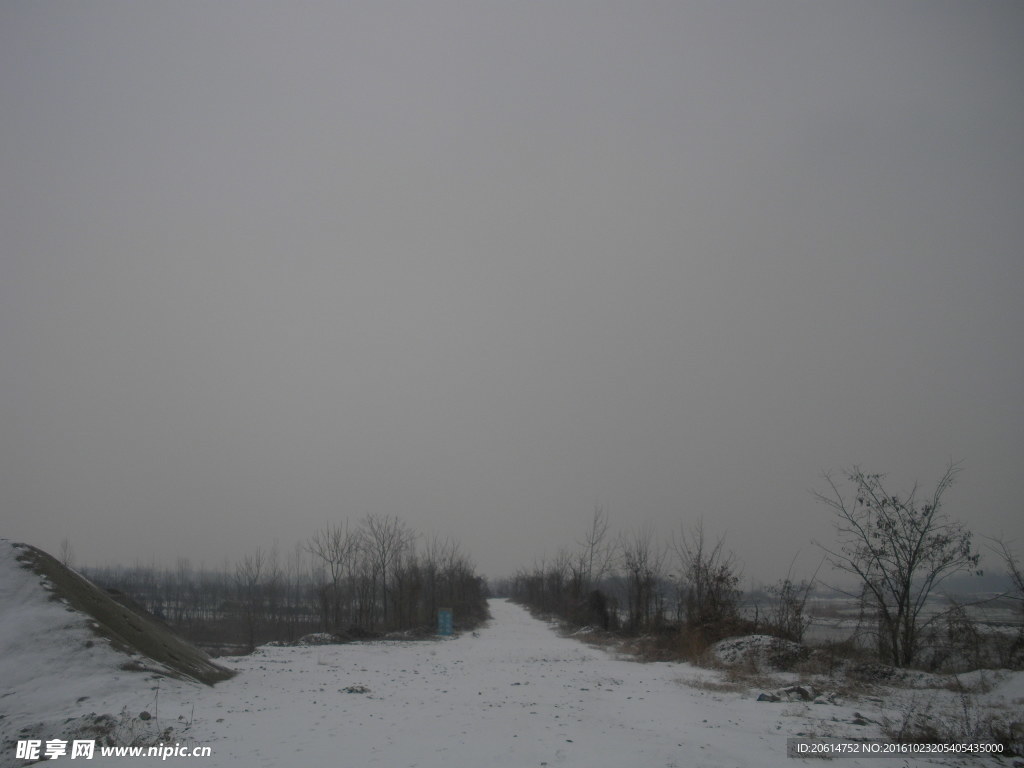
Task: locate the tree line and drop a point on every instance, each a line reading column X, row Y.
column 896, row 548
column 685, row 590
column 377, row 576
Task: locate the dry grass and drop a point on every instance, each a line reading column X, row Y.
column 967, row 722
column 714, row 686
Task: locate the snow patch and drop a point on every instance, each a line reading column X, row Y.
column 759, row 651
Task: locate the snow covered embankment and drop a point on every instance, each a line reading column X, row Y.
column 61, row 675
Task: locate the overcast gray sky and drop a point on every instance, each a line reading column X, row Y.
column 485, row 265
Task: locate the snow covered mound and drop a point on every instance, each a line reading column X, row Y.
column 147, row 641
column 759, row 651
column 71, row 657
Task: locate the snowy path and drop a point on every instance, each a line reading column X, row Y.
column 515, row 695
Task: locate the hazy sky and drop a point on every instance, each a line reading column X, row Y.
column 485, row 265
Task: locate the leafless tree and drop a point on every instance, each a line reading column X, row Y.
column 1016, row 573
column 438, row 553
column 557, row 582
column 67, row 553
column 899, row 549
column 386, row 540
column 335, row 547
column 787, row 617
column 642, row 560
column 181, row 608
column 708, row 582
column 292, row 594
column 249, row 574
column 1014, row 570
column 598, row 554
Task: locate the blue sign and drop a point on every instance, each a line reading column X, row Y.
column 444, row 621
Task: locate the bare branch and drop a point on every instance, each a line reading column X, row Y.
column 899, row 550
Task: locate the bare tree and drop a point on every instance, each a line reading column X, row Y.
column 437, row 555
column 598, row 554
column 335, row 546
column 248, row 578
column 1014, row 570
column 787, row 617
column 899, row 549
column 557, row 580
column 386, row 541
column 67, row 553
column 181, row 607
column 642, row 560
column 270, row 585
column 291, row 593
column 708, row 582
column 1016, row 573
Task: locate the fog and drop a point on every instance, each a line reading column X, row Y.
column 489, row 265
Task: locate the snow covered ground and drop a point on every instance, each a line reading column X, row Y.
column 513, row 694
column 516, row 694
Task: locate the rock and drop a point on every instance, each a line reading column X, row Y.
column 804, row 693
column 790, row 693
